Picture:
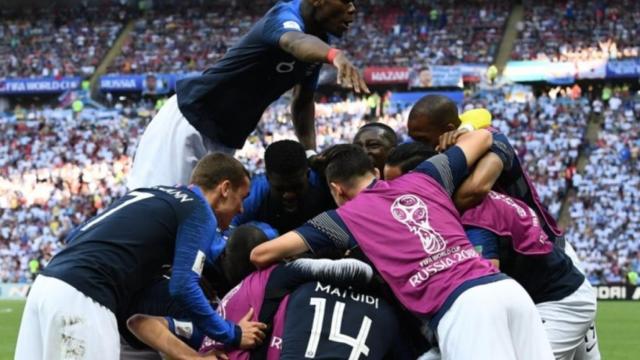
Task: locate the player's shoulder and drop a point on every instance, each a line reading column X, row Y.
column 181, row 198
column 285, row 15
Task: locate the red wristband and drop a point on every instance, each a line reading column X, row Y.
column 331, row 55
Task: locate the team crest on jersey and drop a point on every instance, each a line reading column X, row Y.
column 412, row 211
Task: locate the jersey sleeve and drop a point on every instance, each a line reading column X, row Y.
column 449, row 168
column 251, row 205
column 343, row 272
column 280, row 21
column 325, row 231
column 195, row 239
column 485, row 242
column 504, row 150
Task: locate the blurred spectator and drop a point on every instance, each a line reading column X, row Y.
column 578, row 30
column 605, row 214
column 57, row 42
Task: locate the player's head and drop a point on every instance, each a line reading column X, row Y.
column 348, row 170
column 432, row 116
column 235, row 261
column 333, row 16
column 406, row 157
column 287, row 171
column 377, row 140
column 224, row 182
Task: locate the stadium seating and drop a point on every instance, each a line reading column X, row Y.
column 57, row 42
column 591, row 30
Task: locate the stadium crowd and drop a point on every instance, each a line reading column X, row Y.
column 390, row 33
column 547, row 132
column 591, row 30
column 57, row 42
column 605, row 215
column 47, row 192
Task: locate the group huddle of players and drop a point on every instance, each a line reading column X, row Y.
column 438, row 248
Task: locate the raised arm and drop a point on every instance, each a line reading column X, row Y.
column 478, row 184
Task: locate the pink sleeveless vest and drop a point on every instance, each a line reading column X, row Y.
column 411, row 231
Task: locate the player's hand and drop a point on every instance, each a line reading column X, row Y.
column 449, row 139
column 252, row 331
column 348, row 75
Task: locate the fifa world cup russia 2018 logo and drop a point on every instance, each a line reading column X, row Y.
column 412, row 211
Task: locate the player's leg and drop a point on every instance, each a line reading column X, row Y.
column 73, row 326
column 476, row 327
column 589, row 349
column 489, row 321
column 567, row 321
column 525, row 325
column 169, row 149
column 30, row 344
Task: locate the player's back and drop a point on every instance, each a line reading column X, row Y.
column 328, row 322
column 118, row 252
column 226, row 102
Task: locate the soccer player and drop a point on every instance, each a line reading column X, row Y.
column 435, row 115
column 217, row 110
column 377, row 140
column 283, row 296
column 289, row 194
column 410, row 230
column 406, row 157
column 508, row 232
column 73, row 305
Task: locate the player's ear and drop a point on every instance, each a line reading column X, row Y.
column 225, row 188
column 335, row 188
column 451, row 127
column 376, row 172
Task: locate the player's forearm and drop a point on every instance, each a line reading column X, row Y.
column 154, row 332
column 477, row 185
column 191, row 296
column 343, row 272
column 303, row 115
column 305, row 47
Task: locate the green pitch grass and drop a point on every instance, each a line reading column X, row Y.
column 618, row 329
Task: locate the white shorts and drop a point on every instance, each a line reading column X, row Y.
column 588, row 349
column 169, row 150
column 59, row 322
column 494, row 321
column 567, row 322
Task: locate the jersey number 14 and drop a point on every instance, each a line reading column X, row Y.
column 358, row 344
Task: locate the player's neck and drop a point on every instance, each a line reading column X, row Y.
column 311, row 26
column 363, row 182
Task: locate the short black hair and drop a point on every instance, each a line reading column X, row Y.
column 235, row 262
column 215, row 168
column 345, row 162
column 439, row 110
column 388, row 132
column 408, row 156
column 285, row 157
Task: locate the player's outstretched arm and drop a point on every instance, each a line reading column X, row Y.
column 192, row 243
column 312, row 49
column 342, row 272
column 280, row 248
column 154, row 331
